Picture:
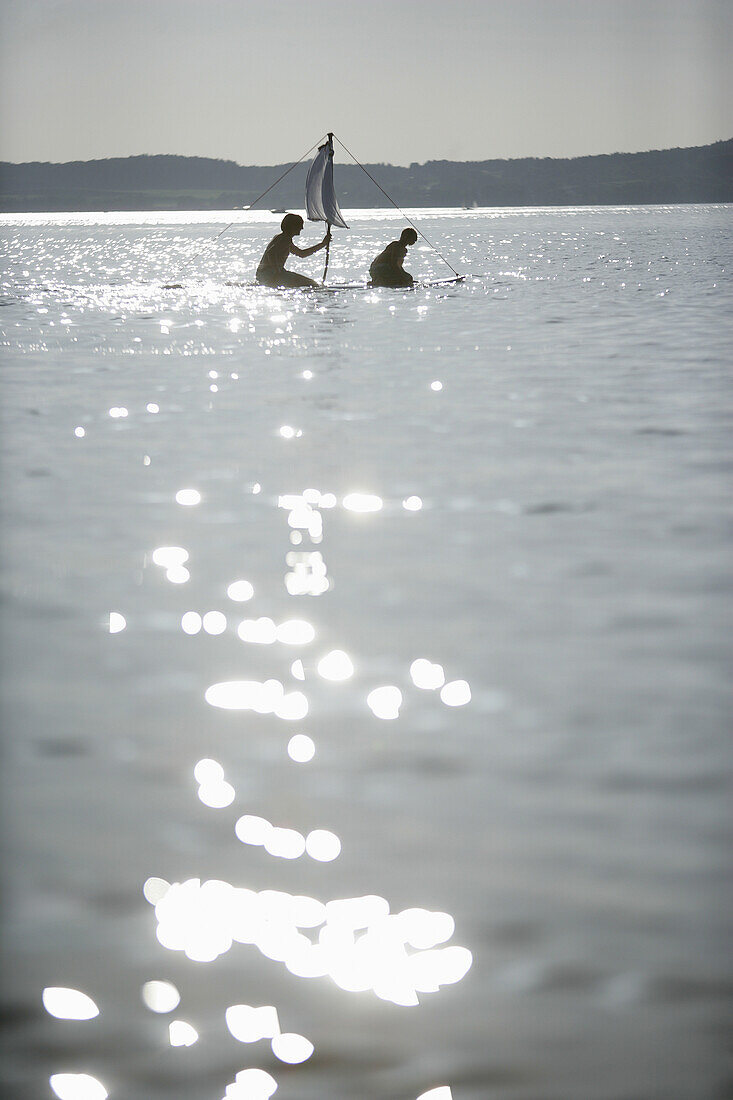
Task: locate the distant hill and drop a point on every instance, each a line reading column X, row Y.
column 700, row 174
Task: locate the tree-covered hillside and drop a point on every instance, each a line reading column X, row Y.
column 701, row 174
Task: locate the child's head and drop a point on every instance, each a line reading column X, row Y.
column 292, row 224
column 408, row 236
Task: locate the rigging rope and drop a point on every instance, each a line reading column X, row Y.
column 172, row 286
column 404, row 215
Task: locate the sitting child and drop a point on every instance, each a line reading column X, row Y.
column 271, row 270
column 387, row 269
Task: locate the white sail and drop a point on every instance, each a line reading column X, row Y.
column 320, row 198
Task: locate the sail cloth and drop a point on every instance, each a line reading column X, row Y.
column 321, row 204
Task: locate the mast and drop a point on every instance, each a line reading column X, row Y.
column 328, row 224
column 321, row 203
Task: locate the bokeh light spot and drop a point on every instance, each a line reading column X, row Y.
column 301, row 748
column 336, row 665
column 77, row 1086
column 240, row 591
column 160, row 996
column 322, row 845
column 188, row 497
column 292, row 1048
column 68, row 1004
column 117, row 622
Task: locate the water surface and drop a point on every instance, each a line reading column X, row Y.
column 521, row 479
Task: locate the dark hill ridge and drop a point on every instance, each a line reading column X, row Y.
column 699, row 174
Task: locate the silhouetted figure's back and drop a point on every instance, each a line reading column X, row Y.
column 387, row 269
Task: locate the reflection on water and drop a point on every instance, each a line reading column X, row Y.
column 301, row 748
column 117, row 622
column 170, row 557
column 188, row 497
column 264, row 631
column 191, row 622
column 356, row 942
column 160, row 996
column 182, row 1034
column 362, row 502
column 307, row 576
column 77, row 1086
column 249, row 1025
column 320, row 844
column 336, row 665
column 240, row 591
column 217, row 794
column 561, row 804
column 214, row 622
column 456, row 694
column 68, row 1004
column 177, row 574
column 268, row 697
column 385, row 702
column 426, row 675
column 251, row 1084
column 292, row 1048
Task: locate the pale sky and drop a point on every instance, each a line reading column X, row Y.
column 258, row 81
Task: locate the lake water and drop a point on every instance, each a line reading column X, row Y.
column 521, row 479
